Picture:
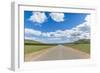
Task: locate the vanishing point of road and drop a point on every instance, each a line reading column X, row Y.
column 60, row 52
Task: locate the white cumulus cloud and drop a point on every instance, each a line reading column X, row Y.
column 81, row 31
column 68, row 35
column 38, row 17
column 58, row 17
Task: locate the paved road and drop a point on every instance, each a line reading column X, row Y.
column 60, row 53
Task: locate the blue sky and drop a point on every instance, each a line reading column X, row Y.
column 41, row 25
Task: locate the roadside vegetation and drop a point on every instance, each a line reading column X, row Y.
column 34, row 46
column 82, row 45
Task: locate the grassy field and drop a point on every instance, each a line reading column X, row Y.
column 81, row 47
column 34, row 46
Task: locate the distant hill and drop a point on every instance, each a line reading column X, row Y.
column 82, row 41
column 31, row 42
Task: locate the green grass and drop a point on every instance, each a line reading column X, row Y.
column 34, row 48
column 31, row 46
column 81, row 47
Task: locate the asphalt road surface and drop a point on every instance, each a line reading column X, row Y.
column 60, row 52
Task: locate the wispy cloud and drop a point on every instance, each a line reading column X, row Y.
column 88, row 18
column 32, row 32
